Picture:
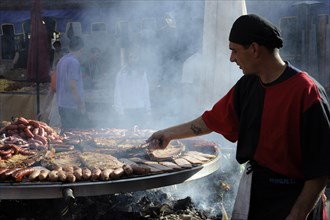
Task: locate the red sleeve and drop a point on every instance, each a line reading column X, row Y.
column 223, row 118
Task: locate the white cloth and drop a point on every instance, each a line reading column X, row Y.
column 242, row 202
column 131, row 91
column 54, row 116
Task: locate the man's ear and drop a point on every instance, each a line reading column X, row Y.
column 255, row 49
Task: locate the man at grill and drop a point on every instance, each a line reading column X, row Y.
column 279, row 116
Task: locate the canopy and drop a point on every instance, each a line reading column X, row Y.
column 38, row 64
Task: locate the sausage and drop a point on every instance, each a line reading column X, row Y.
column 68, row 169
column 35, row 142
column 47, row 129
column 27, row 152
column 4, row 147
column 42, row 132
column 5, row 152
column 117, row 173
column 8, row 173
column 54, row 140
column 14, row 148
column 105, row 174
column 34, row 123
column 6, row 157
column 86, row 173
column 22, row 120
column 42, row 124
column 95, row 174
column 10, row 132
column 61, row 176
column 28, row 133
column 78, row 173
column 40, row 138
column 20, row 174
column 70, row 178
column 63, row 147
column 35, row 131
column 21, row 126
column 53, row 175
column 43, row 174
column 11, row 127
column 3, row 170
column 128, row 170
column 34, row 175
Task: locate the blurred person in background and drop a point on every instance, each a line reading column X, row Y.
column 57, row 54
column 92, row 67
column 20, row 58
column 50, row 105
column 131, row 95
column 70, row 88
column 280, row 118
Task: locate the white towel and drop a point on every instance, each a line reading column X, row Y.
column 242, row 202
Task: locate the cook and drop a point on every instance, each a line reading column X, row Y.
column 279, row 116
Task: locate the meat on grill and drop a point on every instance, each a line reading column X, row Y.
column 170, row 152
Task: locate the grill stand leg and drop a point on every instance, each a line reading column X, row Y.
column 69, row 201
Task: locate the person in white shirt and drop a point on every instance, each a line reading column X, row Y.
column 131, row 95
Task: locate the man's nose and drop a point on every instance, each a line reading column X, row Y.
column 232, row 58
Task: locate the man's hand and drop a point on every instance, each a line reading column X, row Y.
column 311, row 193
column 162, row 138
column 159, row 140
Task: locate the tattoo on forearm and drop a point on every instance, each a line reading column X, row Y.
column 195, row 129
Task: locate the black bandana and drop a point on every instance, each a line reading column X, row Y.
column 252, row 28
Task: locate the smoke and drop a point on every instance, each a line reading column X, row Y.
column 183, row 48
column 187, row 63
column 166, row 33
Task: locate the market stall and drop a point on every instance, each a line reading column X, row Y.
column 18, row 104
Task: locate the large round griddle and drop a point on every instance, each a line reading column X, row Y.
column 52, row 190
